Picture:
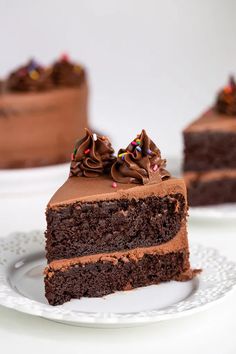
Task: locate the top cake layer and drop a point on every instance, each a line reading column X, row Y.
column 87, row 216
column 210, row 143
column 92, row 214
column 84, row 189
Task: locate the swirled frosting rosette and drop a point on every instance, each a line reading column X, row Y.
column 67, row 73
column 140, row 162
column 226, row 99
column 30, row 77
column 92, row 156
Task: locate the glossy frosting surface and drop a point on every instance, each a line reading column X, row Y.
column 100, row 188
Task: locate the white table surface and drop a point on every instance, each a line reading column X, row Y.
column 212, row 331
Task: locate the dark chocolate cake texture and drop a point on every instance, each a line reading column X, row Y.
column 210, row 152
column 116, row 223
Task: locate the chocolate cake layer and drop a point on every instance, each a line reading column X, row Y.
column 101, row 274
column 105, row 277
column 94, row 227
column 215, row 191
column 207, row 150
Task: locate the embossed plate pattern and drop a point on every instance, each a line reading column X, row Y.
column 21, row 288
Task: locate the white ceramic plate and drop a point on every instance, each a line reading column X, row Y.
column 226, row 211
column 21, row 288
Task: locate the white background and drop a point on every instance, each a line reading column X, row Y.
column 152, row 64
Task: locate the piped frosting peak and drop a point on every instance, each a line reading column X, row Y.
column 140, row 162
column 30, row 77
column 226, row 99
column 67, row 73
column 92, row 156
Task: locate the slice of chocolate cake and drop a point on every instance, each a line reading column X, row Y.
column 115, row 231
column 210, row 152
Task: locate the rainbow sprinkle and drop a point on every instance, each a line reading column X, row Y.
column 114, row 185
column 228, row 89
column 95, row 137
column 34, row 75
column 155, row 168
column 122, row 154
column 64, row 57
column 134, row 143
column 87, row 151
column 138, row 148
column 32, row 66
column 149, row 152
column 77, row 69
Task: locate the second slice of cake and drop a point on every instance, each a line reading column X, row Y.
column 107, row 233
column 210, row 152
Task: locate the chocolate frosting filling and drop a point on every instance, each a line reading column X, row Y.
column 226, row 99
column 179, row 242
column 93, row 156
column 140, row 162
column 30, row 77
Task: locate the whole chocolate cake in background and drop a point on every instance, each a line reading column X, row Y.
column 116, row 223
column 210, row 152
column 42, row 113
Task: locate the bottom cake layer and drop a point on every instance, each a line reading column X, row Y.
column 207, row 189
column 109, row 274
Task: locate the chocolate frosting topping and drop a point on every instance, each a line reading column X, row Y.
column 140, row 162
column 66, row 73
column 30, row 77
column 226, row 99
column 93, row 156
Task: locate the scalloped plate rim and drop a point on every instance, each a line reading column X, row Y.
column 96, row 319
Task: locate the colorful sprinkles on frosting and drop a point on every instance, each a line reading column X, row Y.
column 73, row 154
column 64, row 57
column 228, row 89
column 34, row 75
column 155, row 168
column 136, row 143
